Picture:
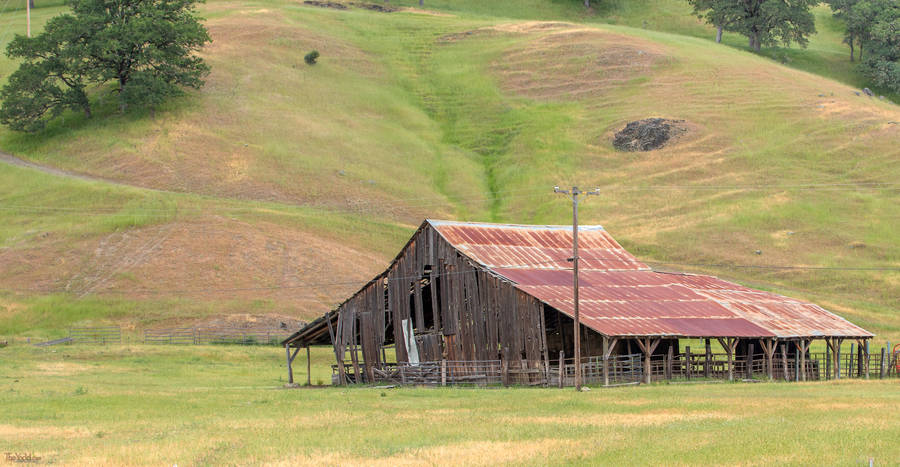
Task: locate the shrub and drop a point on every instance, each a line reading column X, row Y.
column 311, row 57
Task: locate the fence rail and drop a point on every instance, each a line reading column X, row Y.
column 96, row 335
column 214, row 335
column 624, row 369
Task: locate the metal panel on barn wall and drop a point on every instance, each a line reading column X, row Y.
column 394, row 310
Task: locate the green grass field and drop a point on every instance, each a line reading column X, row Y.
column 280, row 188
column 214, row 405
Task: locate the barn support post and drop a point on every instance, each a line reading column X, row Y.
column 836, row 342
column 605, row 361
column 768, row 346
column 802, row 346
column 708, row 363
column 784, row 364
column 688, row 360
column 863, row 358
column 647, row 346
column 729, row 343
column 828, row 349
column 608, row 346
column 670, row 362
column 337, row 355
column 750, row 350
column 308, row 368
column 562, row 368
column 287, row 351
column 850, row 365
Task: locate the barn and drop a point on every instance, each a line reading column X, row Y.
column 493, row 303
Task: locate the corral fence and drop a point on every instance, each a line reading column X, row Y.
column 215, row 335
column 96, row 335
column 627, row 369
column 624, row 369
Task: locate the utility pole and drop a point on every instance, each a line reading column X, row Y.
column 577, row 338
column 28, row 18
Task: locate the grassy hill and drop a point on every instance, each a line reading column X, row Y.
column 281, row 187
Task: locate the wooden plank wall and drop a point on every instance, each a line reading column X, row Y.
column 470, row 315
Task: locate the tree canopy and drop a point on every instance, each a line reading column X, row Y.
column 141, row 50
column 763, row 22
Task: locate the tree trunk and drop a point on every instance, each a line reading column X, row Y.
column 718, row 34
column 121, row 95
column 860, row 50
column 587, row 3
column 87, row 110
column 851, row 46
column 754, row 41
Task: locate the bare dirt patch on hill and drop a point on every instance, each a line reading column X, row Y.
column 210, row 259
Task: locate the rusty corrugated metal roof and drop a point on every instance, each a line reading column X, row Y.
column 620, row 296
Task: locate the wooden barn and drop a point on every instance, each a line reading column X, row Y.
column 492, row 303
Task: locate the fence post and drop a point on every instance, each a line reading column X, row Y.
column 881, row 365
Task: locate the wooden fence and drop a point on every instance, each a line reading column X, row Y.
column 624, row 369
column 96, row 335
column 215, row 335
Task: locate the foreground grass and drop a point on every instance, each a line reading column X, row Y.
column 225, row 405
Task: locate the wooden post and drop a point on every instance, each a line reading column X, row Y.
column 729, row 343
column 750, row 361
column 443, row 372
column 802, row 346
column 338, row 354
column 647, row 346
column 768, row 346
column 828, row 347
column 562, row 368
column 688, row 361
column 605, row 361
column 708, row 364
column 881, row 364
column 837, row 356
column 865, row 346
column 308, row 368
column 850, row 365
column 504, row 366
column 859, row 359
column 670, row 357
column 287, row 351
column 787, row 375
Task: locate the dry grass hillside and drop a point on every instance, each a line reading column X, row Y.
column 280, row 187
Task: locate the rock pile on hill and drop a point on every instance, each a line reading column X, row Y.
column 647, row 134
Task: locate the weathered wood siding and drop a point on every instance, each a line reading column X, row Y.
column 469, row 314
